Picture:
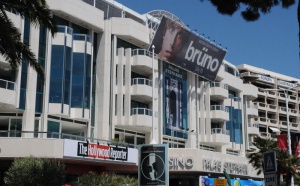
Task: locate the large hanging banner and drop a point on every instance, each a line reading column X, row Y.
column 175, row 100
column 175, row 44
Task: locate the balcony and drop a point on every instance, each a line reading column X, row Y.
column 281, row 96
column 272, row 108
column 142, row 61
column 272, row 122
column 141, row 89
column 282, row 110
column 294, row 125
column 271, row 94
column 7, row 93
column 80, row 12
column 219, row 113
column 218, row 91
column 130, row 30
column 253, row 129
column 250, row 91
column 220, row 136
column 293, row 112
column 261, row 120
column 262, row 106
column 252, row 109
column 142, row 117
column 292, row 98
column 264, row 135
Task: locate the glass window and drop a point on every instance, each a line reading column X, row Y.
column 77, row 96
column 129, row 139
column 22, row 98
column 55, row 95
column 140, row 140
column 57, row 57
column 53, row 129
column 15, row 127
column 39, row 102
column 36, row 128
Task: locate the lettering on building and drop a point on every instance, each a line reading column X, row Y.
column 286, row 84
column 236, row 168
column 212, row 165
column 176, row 163
column 97, row 151
column 230, row 167
column 266, row 79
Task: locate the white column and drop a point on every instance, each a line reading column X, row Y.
column 29, row 112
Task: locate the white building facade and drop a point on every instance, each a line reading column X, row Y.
column 98, row 90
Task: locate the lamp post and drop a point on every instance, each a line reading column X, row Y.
column 287, row 123
column 153, row 140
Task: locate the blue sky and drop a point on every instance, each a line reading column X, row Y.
column 270, row 43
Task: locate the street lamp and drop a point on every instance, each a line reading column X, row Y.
column 153, row 140
column 287, row 122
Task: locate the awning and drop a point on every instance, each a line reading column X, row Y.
column 274, row 129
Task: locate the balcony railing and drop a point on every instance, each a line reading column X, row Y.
column 253, row 125
column 264, row 135
column 219, row 107
column 219, row 131
column 7, row 84
column 141, row 111
column 273, row 107
column 252, row 105
column 218, row 84
column 141, row 81
column 143, row 52
column 31, row 134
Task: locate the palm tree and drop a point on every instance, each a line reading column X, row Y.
column 11, row 45
column 286, row 164
column 256, row 155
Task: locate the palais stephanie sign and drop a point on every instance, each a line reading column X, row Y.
column 232, row 168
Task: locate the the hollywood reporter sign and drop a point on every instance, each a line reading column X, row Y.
column 111, row 152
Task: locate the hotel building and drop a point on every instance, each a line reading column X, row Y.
column 105, row 86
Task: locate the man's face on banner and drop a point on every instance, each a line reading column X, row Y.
column 172, row 42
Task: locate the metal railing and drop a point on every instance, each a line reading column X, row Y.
column 141, row 111
column 219, row 131
column 219, row 107
column 7, row 84
column 218, row 84
column 141, row 81
column 253, row 125
column 143, row 52
column 57, row 135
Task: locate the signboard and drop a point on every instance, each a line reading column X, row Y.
column 270, row 165
column 286, row 84
column 175, row 44
column 266, row 79
column 205, row 181
column 95, row 151
column 220, row 182
column 271, row 179
column 153, row 165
